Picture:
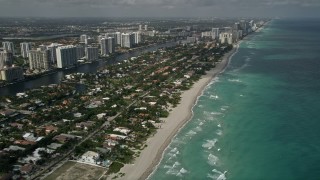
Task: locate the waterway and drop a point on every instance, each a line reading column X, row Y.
column 55, row 78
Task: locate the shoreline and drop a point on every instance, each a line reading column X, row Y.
column 148, row 160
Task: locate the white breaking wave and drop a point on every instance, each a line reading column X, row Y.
column 176, row 169
column 214, row 97
column 235, row 80
column 198, row 129
column 212, row 159
column 221, row 176
column 214, row 80
column 191, row 133
column 210, row 144
column 176, row 164
column 216, row 113
column 219, row 132
column 183, row 171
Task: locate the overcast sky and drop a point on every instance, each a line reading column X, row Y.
column 160, row 8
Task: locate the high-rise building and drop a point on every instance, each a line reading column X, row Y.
column 8, row 46
column 137, row 37
column 6, row 59
column 53, row 52
column 236, row 26
column 115, row 36
column 25, row 48
column 88, row 41
column 66, row 56
column 80, row 51
column 42, row 47
column 13, row 73
column 236, row 35
column 216, row 33
column 244, row 26
column 99, row 38
column 111, row 44
column 83, row 38
column 118, row 39
column 39, row 60
column 104, row 47
column 140, row 27
column 226, row 38
column 92, row 53
column 208, row 34
column 146, row 27
column 126, row 40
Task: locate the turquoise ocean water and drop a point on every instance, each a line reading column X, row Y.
column 260, row 119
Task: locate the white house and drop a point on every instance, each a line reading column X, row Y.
column 90, row 157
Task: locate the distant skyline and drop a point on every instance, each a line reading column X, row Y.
column 159, row 8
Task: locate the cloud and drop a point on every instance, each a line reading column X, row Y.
column 159, row 7
column 168, row 3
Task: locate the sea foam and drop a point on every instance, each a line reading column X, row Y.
column 212, row 160
column 209, row 144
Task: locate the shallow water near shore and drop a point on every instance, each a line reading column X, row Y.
column 259, row 119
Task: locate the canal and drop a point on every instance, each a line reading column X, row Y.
column 55, row 78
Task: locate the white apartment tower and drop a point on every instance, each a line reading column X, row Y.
column 216, row 33
column 137, row 37
column 25, row 48
column 39, row 60
column 104, row 47
column 111, row 44
column 8, row 46
column 226, row 38
column 66, row 56
column 118, row 40
column 127, row 40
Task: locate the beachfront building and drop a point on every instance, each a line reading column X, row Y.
column 90, row 157
column 66, row 56
column 39, row 60
column 226, row 38
column 25, row 48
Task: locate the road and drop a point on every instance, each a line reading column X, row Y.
column 64, row 159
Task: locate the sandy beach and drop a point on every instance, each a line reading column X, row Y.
column 152, row 154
